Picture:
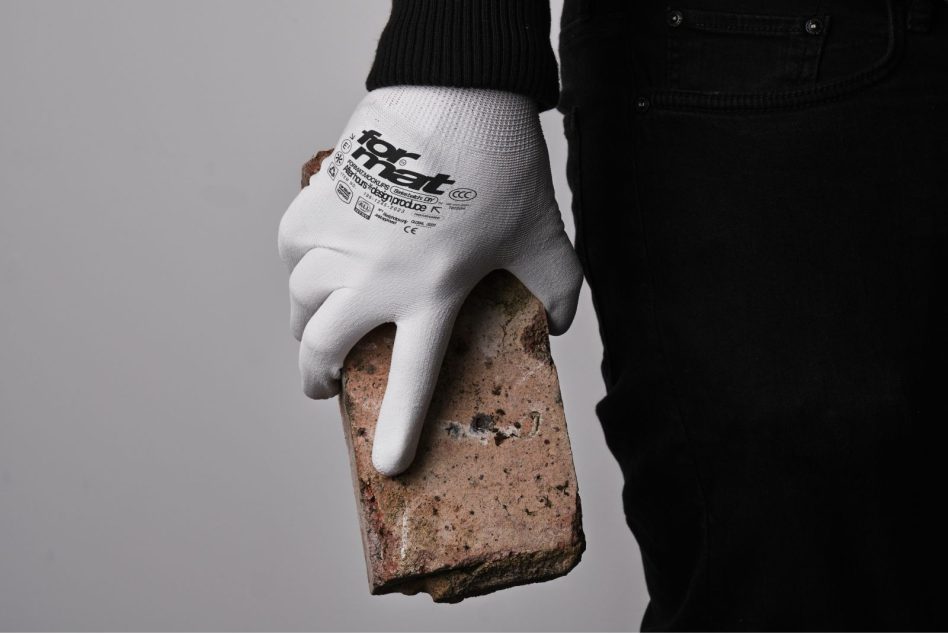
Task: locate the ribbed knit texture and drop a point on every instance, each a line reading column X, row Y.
column 477, row 119
column 496, row 44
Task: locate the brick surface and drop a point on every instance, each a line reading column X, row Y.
column 491, row 500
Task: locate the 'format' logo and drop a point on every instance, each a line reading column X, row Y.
column 377, row 152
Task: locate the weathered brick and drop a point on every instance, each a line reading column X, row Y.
column 491, row 500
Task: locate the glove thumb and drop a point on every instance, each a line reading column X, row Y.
column 552, row 272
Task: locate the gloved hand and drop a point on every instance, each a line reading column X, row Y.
column 428, row 190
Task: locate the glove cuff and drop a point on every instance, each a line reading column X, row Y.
column 473, row 118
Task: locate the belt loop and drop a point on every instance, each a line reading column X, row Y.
column 920, row 15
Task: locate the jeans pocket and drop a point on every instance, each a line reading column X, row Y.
column 740, row 61
column 719, row 52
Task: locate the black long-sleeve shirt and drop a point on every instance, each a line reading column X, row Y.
column 498, row 44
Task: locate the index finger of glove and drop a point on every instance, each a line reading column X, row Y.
column 343, row 319
column 420, row 344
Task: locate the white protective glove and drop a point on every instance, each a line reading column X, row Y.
column 428, row 190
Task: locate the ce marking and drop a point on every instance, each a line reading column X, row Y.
column 412, row 230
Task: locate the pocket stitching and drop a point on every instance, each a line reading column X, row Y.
column 680, row 99
column 763, row 25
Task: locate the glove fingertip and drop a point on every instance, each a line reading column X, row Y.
column 390, row 461
column 563, row 302
column 561, row 318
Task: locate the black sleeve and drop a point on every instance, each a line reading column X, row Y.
column 499, row 44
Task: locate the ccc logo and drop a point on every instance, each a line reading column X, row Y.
column 462, row 194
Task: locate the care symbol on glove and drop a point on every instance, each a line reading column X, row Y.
column 462, row 194
column 364, row 208
column 344, row 192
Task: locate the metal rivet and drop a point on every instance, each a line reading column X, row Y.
column 642, row 104
column 813, row 26
column 675, row 18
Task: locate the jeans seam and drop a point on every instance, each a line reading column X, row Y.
column 672, row 383
column 575, row 140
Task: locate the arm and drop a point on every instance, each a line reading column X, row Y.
column 497, row 44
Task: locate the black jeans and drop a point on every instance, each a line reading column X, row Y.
column 760, row 191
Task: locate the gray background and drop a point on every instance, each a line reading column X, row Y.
column 159, row 466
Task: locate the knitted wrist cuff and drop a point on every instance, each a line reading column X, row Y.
column 473, row 118
column 496, row 44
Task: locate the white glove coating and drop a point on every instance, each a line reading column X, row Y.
column 427, row 191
